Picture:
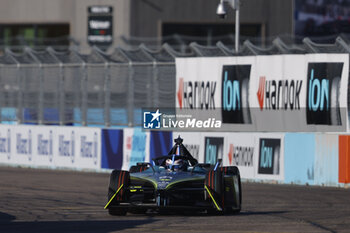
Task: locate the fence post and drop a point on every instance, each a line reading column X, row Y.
column 1, row 97
column 20, row 96
column 107, row 89
column 84, row 96
column 131, row 95
column 61, row 108
column 41, row 96
column 155, row 86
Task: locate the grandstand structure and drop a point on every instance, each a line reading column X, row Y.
column 50, row 86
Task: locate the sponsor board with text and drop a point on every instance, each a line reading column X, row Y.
column 6, row 138
column 270, row 156
column 240, row 151
column 136, row 147
column 213, row 149
column 267, row 93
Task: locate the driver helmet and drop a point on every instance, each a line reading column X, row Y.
column 178, row 164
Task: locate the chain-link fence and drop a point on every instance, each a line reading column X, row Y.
column 110, row 89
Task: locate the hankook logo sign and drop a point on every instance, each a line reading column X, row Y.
column 196, row 94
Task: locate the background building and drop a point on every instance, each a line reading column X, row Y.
column 40, row 21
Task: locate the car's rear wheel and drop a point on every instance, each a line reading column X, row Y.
column 234, row 183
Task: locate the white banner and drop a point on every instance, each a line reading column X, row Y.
column 51, row 146
column 88, row 150
column 266, row 93
column 22, row 145
column 6, row 138
column 240, row 150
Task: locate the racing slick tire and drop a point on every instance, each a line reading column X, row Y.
column 232, row 190
column 117, row 179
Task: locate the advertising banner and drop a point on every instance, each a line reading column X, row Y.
column 112, row 148
column 161, row 143
column 270, row 159
column 293, row 93
column 22, row 145
column 213, row 149
column 88, row 147
column 136, row 147
column 240, row 151
column 344, row 159
column 51, row 146
column 277, row 94
column 43, row 145
column 65, row 147
column 6, row 138
column 327, row 85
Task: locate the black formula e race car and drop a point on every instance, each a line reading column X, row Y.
column 175, row 182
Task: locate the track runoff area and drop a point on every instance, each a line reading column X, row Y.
column 38, row 200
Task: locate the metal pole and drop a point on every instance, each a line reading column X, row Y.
column 237, row 26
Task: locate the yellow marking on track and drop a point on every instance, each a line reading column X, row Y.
column 113, row 196
column 217, row 206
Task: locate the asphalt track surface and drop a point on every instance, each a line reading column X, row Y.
column 36, row 200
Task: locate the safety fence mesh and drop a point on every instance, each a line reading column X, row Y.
column 68, row 87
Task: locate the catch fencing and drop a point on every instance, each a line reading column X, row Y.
column 70, row 88
column 55, row 87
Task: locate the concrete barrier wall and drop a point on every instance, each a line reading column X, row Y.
column 299, row 150
column 291, row 158
column 326, row 159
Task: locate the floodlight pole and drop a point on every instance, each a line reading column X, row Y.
column 235, row 6
column 237, row 27
column 222, row 13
